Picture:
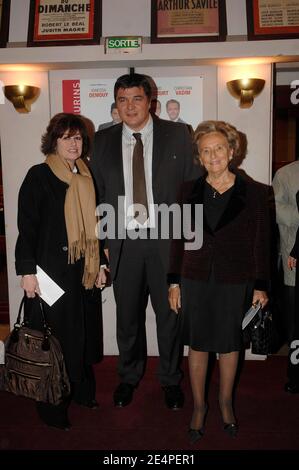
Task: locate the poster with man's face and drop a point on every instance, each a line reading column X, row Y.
column 179, row 99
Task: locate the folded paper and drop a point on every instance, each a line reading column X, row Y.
column 50, row 291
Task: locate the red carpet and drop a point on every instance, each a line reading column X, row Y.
column 268, row 416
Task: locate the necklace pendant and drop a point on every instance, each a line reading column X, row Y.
column 214, row 194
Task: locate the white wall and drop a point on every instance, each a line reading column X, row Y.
column 255, row 122
column 20, row 141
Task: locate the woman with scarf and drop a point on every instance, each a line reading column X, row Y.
column 56, row 222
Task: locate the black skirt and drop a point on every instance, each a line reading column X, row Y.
column 213, row 313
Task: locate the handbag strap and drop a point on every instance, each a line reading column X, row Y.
column 46, row 328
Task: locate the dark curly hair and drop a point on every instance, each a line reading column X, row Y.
column 59, row 124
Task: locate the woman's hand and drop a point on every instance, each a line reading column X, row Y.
column 30, row 285
column 174, row 298
column 101, row 278
column 292, row 262
column 260, row 296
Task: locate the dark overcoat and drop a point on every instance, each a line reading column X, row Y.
column 75, row 318
column 238, row 248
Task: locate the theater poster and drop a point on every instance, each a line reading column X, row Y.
column 90, row 97
column 180, row 98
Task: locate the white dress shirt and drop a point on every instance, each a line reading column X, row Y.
column 128, row 143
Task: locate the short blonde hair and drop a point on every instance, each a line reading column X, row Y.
column 228, row 130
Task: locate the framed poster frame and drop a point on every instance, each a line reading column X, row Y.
column 189, row 19
column 4, row 21
column 262, row 24
column 65, row 21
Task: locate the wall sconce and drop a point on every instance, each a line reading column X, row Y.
column 21, row 96
column 245, row 90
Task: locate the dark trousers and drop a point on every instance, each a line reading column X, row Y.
column 81, row 392
column 140, row 275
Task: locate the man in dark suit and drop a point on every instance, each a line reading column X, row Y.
column 139, row 264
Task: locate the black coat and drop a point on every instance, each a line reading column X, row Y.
column 171, row 165
column 238, row 248
column 75, row 317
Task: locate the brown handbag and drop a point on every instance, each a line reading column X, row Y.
column 34, row 365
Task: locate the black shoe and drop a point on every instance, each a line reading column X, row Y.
column 123, row 395
column 62, row 426
column 174, row 397
column 231, row 429
column 195, row 435
column 291, row 387
column 92, row 404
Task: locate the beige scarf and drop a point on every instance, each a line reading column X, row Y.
column 80, row 218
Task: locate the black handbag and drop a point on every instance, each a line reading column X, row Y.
column 34, row 365
column 262, row 333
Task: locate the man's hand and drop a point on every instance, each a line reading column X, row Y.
column 101, row 278
column 174, row 298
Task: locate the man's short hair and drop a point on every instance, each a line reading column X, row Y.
column 173, row 101
column 133, row 80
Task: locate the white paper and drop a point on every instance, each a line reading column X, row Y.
column 250, row 314
column 50, row 291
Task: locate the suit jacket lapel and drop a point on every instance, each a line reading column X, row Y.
column 118, row 160
column 196, row 197
column 235, row 204
column 160, row 139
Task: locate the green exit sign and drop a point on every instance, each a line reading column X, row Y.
column 121, row 45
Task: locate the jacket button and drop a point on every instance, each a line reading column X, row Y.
column 64, row 248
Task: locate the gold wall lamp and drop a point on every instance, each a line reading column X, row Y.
column 245, row 90
column 21, row 96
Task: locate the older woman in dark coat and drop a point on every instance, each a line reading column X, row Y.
column 218, row 282
column 56, row 222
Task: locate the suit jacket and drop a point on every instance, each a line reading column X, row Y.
column 286, row 186
column 172, row 164
column 238, row 248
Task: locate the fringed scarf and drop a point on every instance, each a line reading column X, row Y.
column 80, row 218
